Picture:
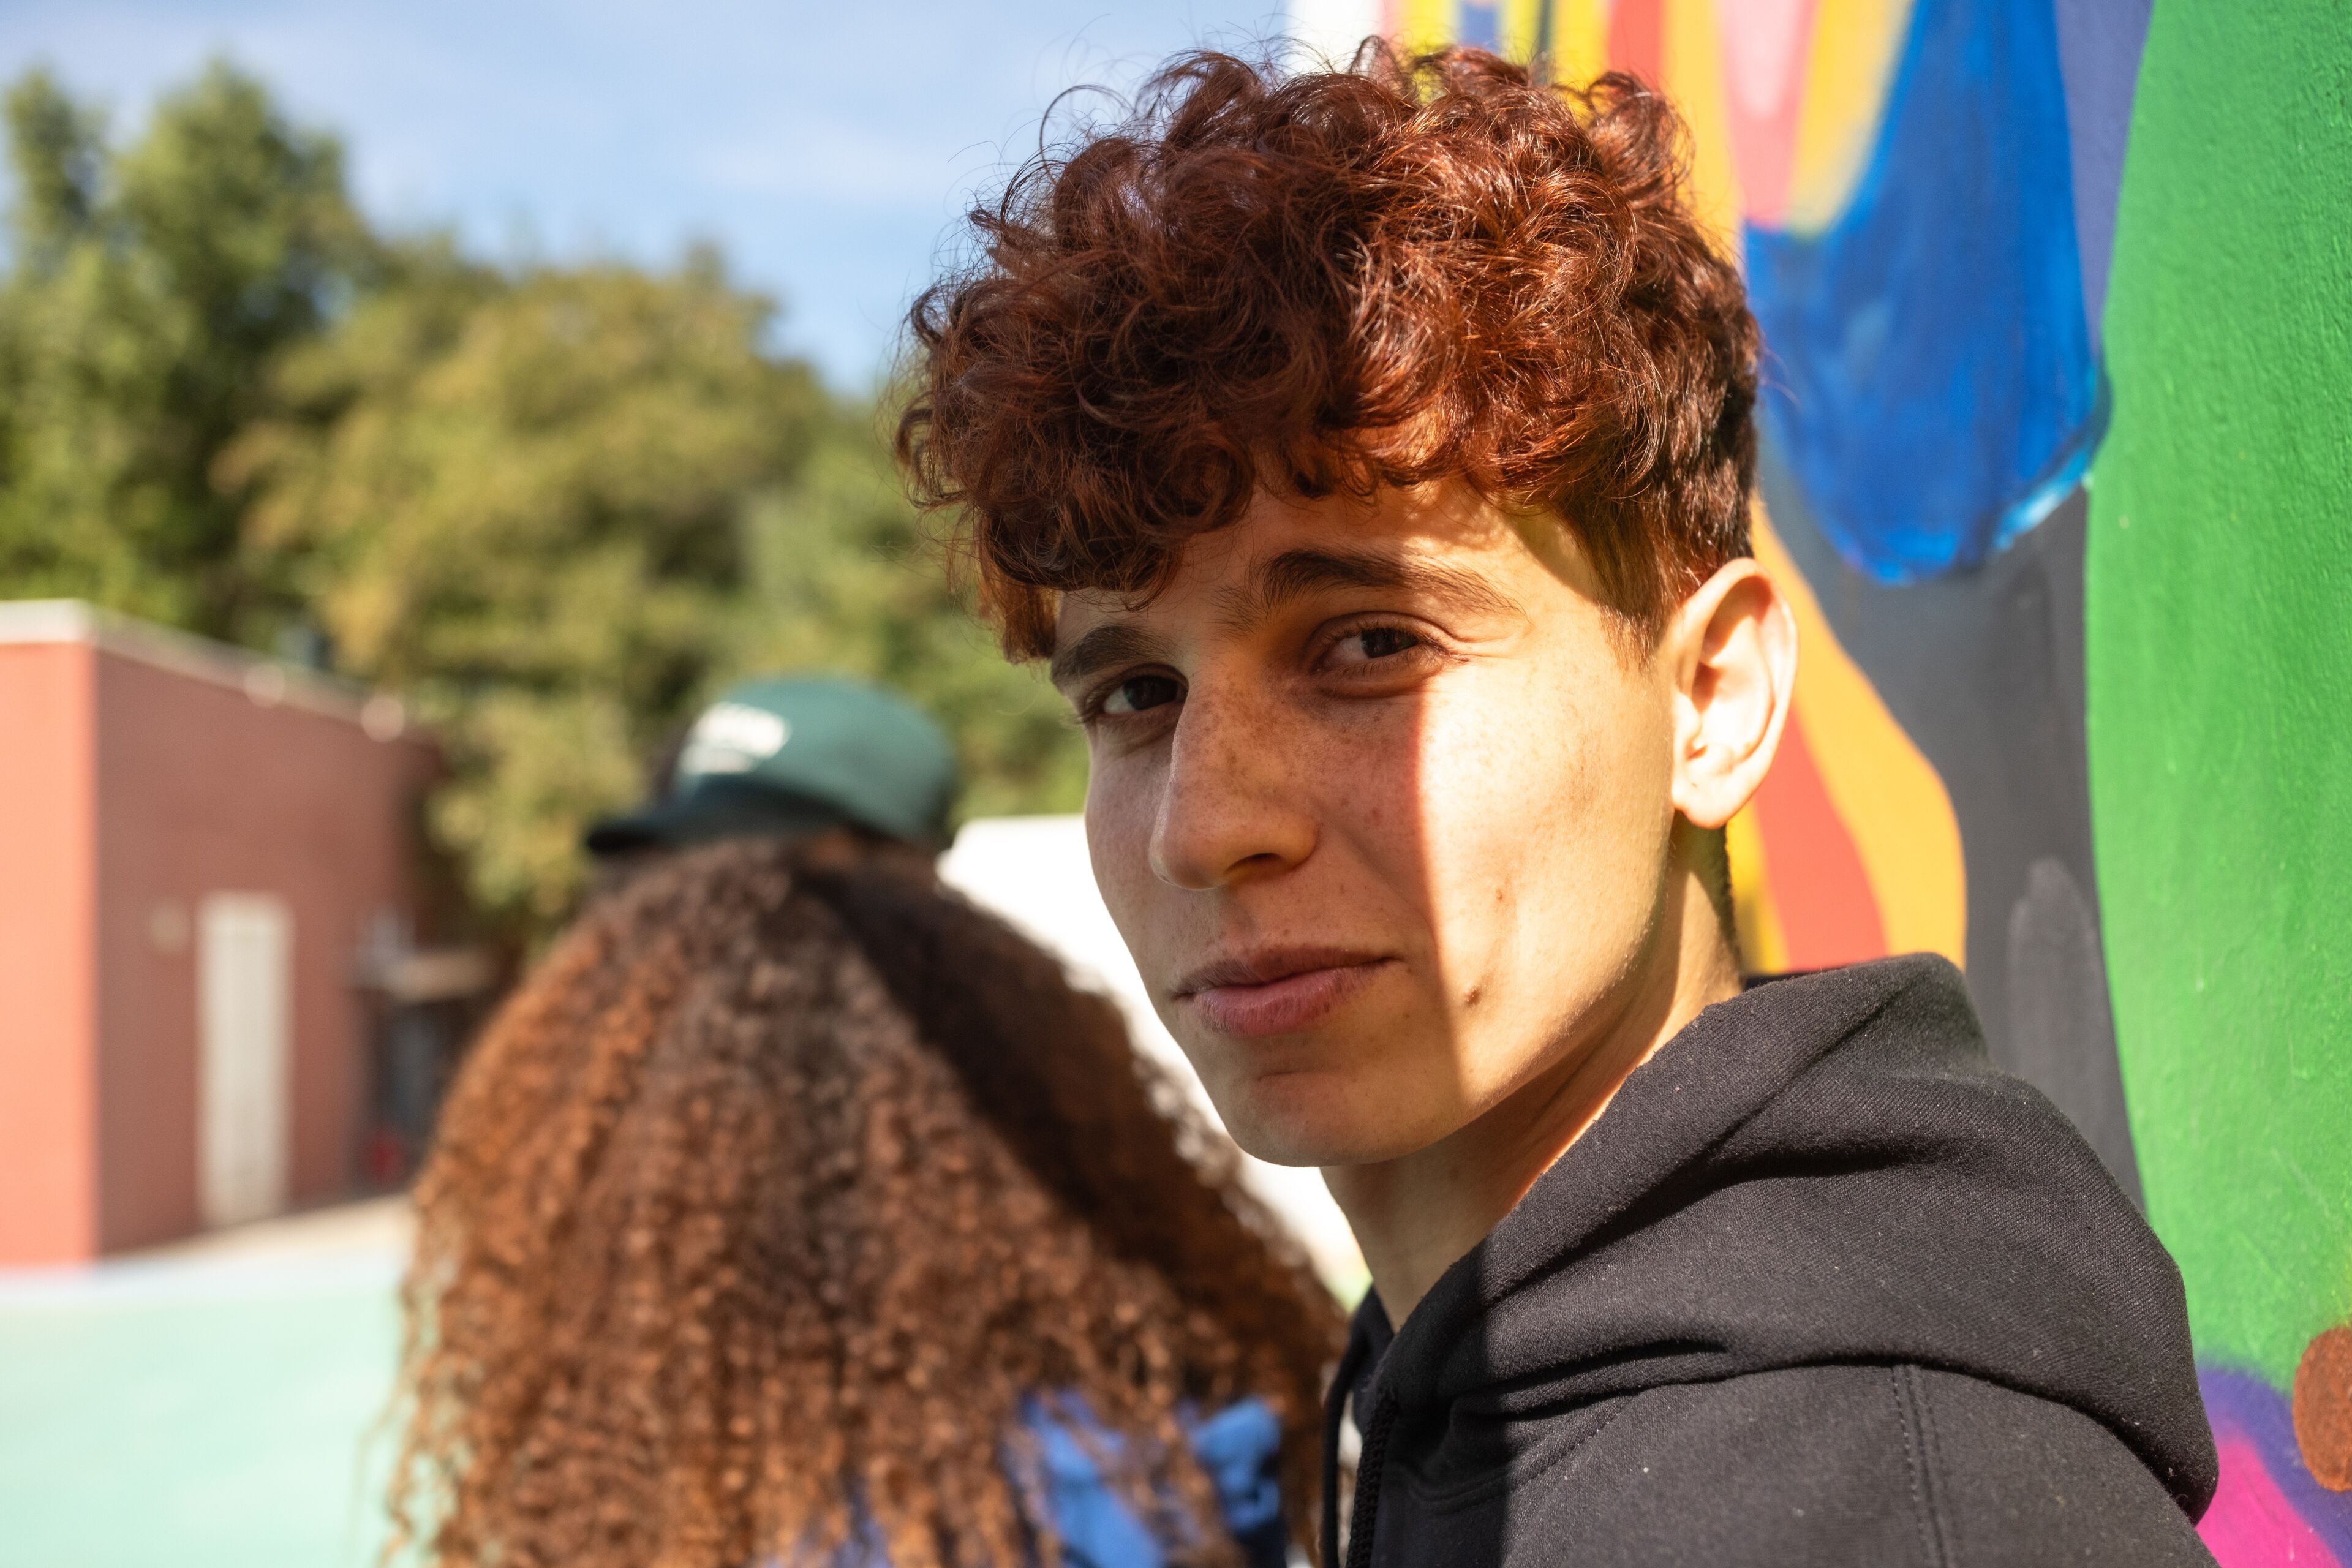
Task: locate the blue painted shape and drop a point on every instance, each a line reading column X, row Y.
column 1480, row 25
column 1928, row 375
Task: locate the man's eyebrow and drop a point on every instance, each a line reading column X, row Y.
column 1296, row 574
column 1115, row 642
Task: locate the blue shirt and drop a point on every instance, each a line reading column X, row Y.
column 1239, row 1447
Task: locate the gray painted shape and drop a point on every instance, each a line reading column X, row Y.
column 2058, row 1001
column 1983, row 669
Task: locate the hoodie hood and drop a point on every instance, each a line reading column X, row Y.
column 1825, row 1170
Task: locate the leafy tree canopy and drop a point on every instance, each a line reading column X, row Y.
column 150, row 291
column 552, row 508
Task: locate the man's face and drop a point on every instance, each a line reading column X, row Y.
column 1382, row 805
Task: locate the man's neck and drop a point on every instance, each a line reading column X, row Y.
column 1415, row 1215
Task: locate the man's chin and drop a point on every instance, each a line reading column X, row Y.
column 1288, row 1121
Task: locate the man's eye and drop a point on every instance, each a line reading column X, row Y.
column 1138, row 692
column 1375, row 643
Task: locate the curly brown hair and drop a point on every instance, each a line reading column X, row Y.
column 1421, row 269
column 767, row 1203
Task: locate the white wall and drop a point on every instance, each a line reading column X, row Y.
column 1332, row 29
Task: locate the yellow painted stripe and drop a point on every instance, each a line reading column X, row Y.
column 1892, row 802
column 1580, row 40
column 1763, row 949
column 1693, row 68
column 1515, row 28
column 1426, row 23
column 1848, row 73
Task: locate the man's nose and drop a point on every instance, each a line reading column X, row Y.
column 1230, row 808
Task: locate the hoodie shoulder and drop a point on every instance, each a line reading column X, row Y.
column 1850, row 1465
column 2011, row 1479
column 1814, row 1187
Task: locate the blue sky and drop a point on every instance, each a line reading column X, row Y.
column 827, row 146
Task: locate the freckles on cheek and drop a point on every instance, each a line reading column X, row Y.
column 1383, row 785
column 1118, row 830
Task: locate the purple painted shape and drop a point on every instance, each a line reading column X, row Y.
column 2099, row 44
column 2269, row 1509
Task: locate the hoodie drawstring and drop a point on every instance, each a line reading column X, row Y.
column 1351, row 1366
column 1335, row 1415
column 1370, row 1462
column 1371, row 1459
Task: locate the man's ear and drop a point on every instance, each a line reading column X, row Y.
column 1731, row 651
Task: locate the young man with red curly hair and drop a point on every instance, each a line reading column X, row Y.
column 1370, row 454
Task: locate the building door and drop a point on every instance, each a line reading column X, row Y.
column 245, row 998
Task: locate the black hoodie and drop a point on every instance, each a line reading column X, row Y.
column 1822, row 1286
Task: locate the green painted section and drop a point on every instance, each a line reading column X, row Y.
column 2219, row 614
column 196, row 1426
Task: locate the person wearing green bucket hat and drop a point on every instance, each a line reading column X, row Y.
column 795, row 756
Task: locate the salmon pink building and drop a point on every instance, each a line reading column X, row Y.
column 208, row 879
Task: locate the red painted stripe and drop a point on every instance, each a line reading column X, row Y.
column 1828, row 914
column 1764, row 137
column 1637, row 39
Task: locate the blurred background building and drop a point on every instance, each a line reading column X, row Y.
column 216, row 1006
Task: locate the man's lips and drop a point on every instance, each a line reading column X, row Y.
column 1275, row 991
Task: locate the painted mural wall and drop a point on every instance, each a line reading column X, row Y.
column 2057, row 457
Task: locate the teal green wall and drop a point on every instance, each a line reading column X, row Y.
column 2218, row 613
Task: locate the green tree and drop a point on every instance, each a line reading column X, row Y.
column 557, row 513
column 519, row 502
column 844, row 576
column 148, row 294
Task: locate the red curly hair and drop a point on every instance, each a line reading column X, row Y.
column 1421, row 268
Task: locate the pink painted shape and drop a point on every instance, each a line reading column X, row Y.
column 2251, row 1524
column 1766, row 46
column 1761, row 44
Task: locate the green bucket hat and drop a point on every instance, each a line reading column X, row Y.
column 799, row 754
